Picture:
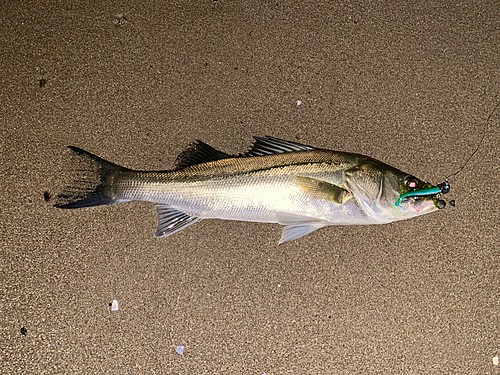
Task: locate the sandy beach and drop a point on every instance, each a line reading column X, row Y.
column 135, row 82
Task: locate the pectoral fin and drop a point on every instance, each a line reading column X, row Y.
column 171, row 220
column 323, row 190
column 297, row 226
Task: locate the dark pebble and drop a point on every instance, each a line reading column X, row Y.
column 452, row 203
column 46, row 196
column 24, row 331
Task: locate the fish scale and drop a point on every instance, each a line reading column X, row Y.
column 231, row 189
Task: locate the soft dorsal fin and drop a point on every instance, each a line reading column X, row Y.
column 271, row 145
column 199, row 152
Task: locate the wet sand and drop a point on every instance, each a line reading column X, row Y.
column 410, row 85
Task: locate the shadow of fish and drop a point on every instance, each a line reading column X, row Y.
column 301, row 187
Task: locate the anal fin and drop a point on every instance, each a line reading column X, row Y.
column 171, row 220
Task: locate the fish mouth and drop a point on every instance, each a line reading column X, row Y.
column 422, row 206
column 428, row 204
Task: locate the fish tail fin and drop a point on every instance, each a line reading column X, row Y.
column 92, row 183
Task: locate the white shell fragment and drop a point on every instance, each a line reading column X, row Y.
column 299, row 102
column 114, row 305
column 180, row 349
column 496, row 361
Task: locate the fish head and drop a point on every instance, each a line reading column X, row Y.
column 378, row 189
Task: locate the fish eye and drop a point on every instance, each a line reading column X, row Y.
column 411, row 182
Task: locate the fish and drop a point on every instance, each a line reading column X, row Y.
column 301, row 187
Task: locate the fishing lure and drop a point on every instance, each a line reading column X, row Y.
column 440, row 189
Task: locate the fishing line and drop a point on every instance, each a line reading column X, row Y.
column 444, row 187
column 479, row 144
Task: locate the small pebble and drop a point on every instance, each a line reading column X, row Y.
column 24, row 332
column 120, row 19
column 114, row 306
column 299, row 102
column 452, row 203
column 180, row 349
column 496, row 361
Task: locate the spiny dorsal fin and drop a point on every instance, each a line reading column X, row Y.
column 198, row 152
column 271, row 145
